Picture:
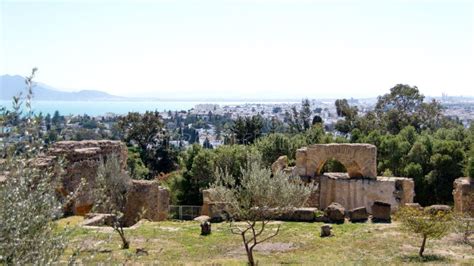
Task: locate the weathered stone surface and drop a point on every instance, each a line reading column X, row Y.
column 326, row 230
column 300, row 215
column 434, row 209
column 358, row 215
column 146, row 200
column 202, row 218
column 82, row 160
column 205, row 228
column 335, row 212
column 360, row 160
column 353, row 193
column 381, row 212
column 98, row 219
column 280, row 164
column 414, row 205
column 463, row 194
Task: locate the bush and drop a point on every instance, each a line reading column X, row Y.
column 425, row 224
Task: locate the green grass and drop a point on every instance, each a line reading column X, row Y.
column 175, row 242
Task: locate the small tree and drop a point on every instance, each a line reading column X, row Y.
column 112, row 185
column 28, row 202
column 425, row 223
column 257, row 198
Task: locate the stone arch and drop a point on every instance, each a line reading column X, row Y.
column 359, row 159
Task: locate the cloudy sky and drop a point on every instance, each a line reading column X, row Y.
column 241, row 49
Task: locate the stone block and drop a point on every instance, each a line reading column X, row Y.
column 146, row 200
column 335, row 212
column 358, row 215
column 381, row 212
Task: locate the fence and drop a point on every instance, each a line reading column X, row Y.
column 184, row 212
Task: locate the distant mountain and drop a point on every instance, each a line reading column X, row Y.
column 12, row 85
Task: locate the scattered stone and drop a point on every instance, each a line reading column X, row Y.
column 358, row 215
column 300, row 215
column 434, row 209
column 202, row 218
column 381, row 212
column 326, row 230
column 280, row 164
column 205, row 228
column 98, row 219
column 335, row 213
column 414, row 205
column 141, row 252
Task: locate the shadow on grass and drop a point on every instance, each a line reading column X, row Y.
column 426, row 258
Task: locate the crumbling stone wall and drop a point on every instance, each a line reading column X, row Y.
column 353, row 193
column 360, row 160
column 463, row 194
column 145, row 199
column 82, row 159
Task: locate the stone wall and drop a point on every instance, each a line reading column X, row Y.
column 360, row 160
column 354, row 193
column 82, row 159
column 146, row 200
column 463, row 194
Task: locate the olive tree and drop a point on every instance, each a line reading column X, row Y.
column 256, row 198
column 427, row 224
column 28, row 202
column 112, row 185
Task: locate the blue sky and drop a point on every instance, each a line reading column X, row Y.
column 241, row 49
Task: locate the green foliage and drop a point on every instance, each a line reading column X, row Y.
column 148, row 133
column 28, row 202
column 135, row 165
column 110, row 194
column 425, row 223
column 247, row 130
column 470, row 163
column 256, row 199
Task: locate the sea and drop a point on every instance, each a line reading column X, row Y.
column 98, row 108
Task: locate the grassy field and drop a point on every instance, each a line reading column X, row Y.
column 176, row 242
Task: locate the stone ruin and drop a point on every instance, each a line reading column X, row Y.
column 463, row 194
column 360, row 160
column 145, row 199
column 360, row 187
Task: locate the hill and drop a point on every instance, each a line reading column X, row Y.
column 12, row 85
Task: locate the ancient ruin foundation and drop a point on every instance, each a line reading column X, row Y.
column 463, row 194
column 145, row 199
column 360, row 187
column 360, row 160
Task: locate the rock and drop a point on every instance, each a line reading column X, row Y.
column 414, row 205
column 146, row 200
column 463, row 195
column 280, row 164
column 360, row 160
column 141, row 252
column 82, row 159
column 326, row 230
column 98, row 219
column 202, row 218
column 205, row 228
column 300, row 215
column 358, row 215
column 335, row 213
column 434, row 209
column 381, row 212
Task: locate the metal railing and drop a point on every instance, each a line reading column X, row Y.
column 184, row 212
